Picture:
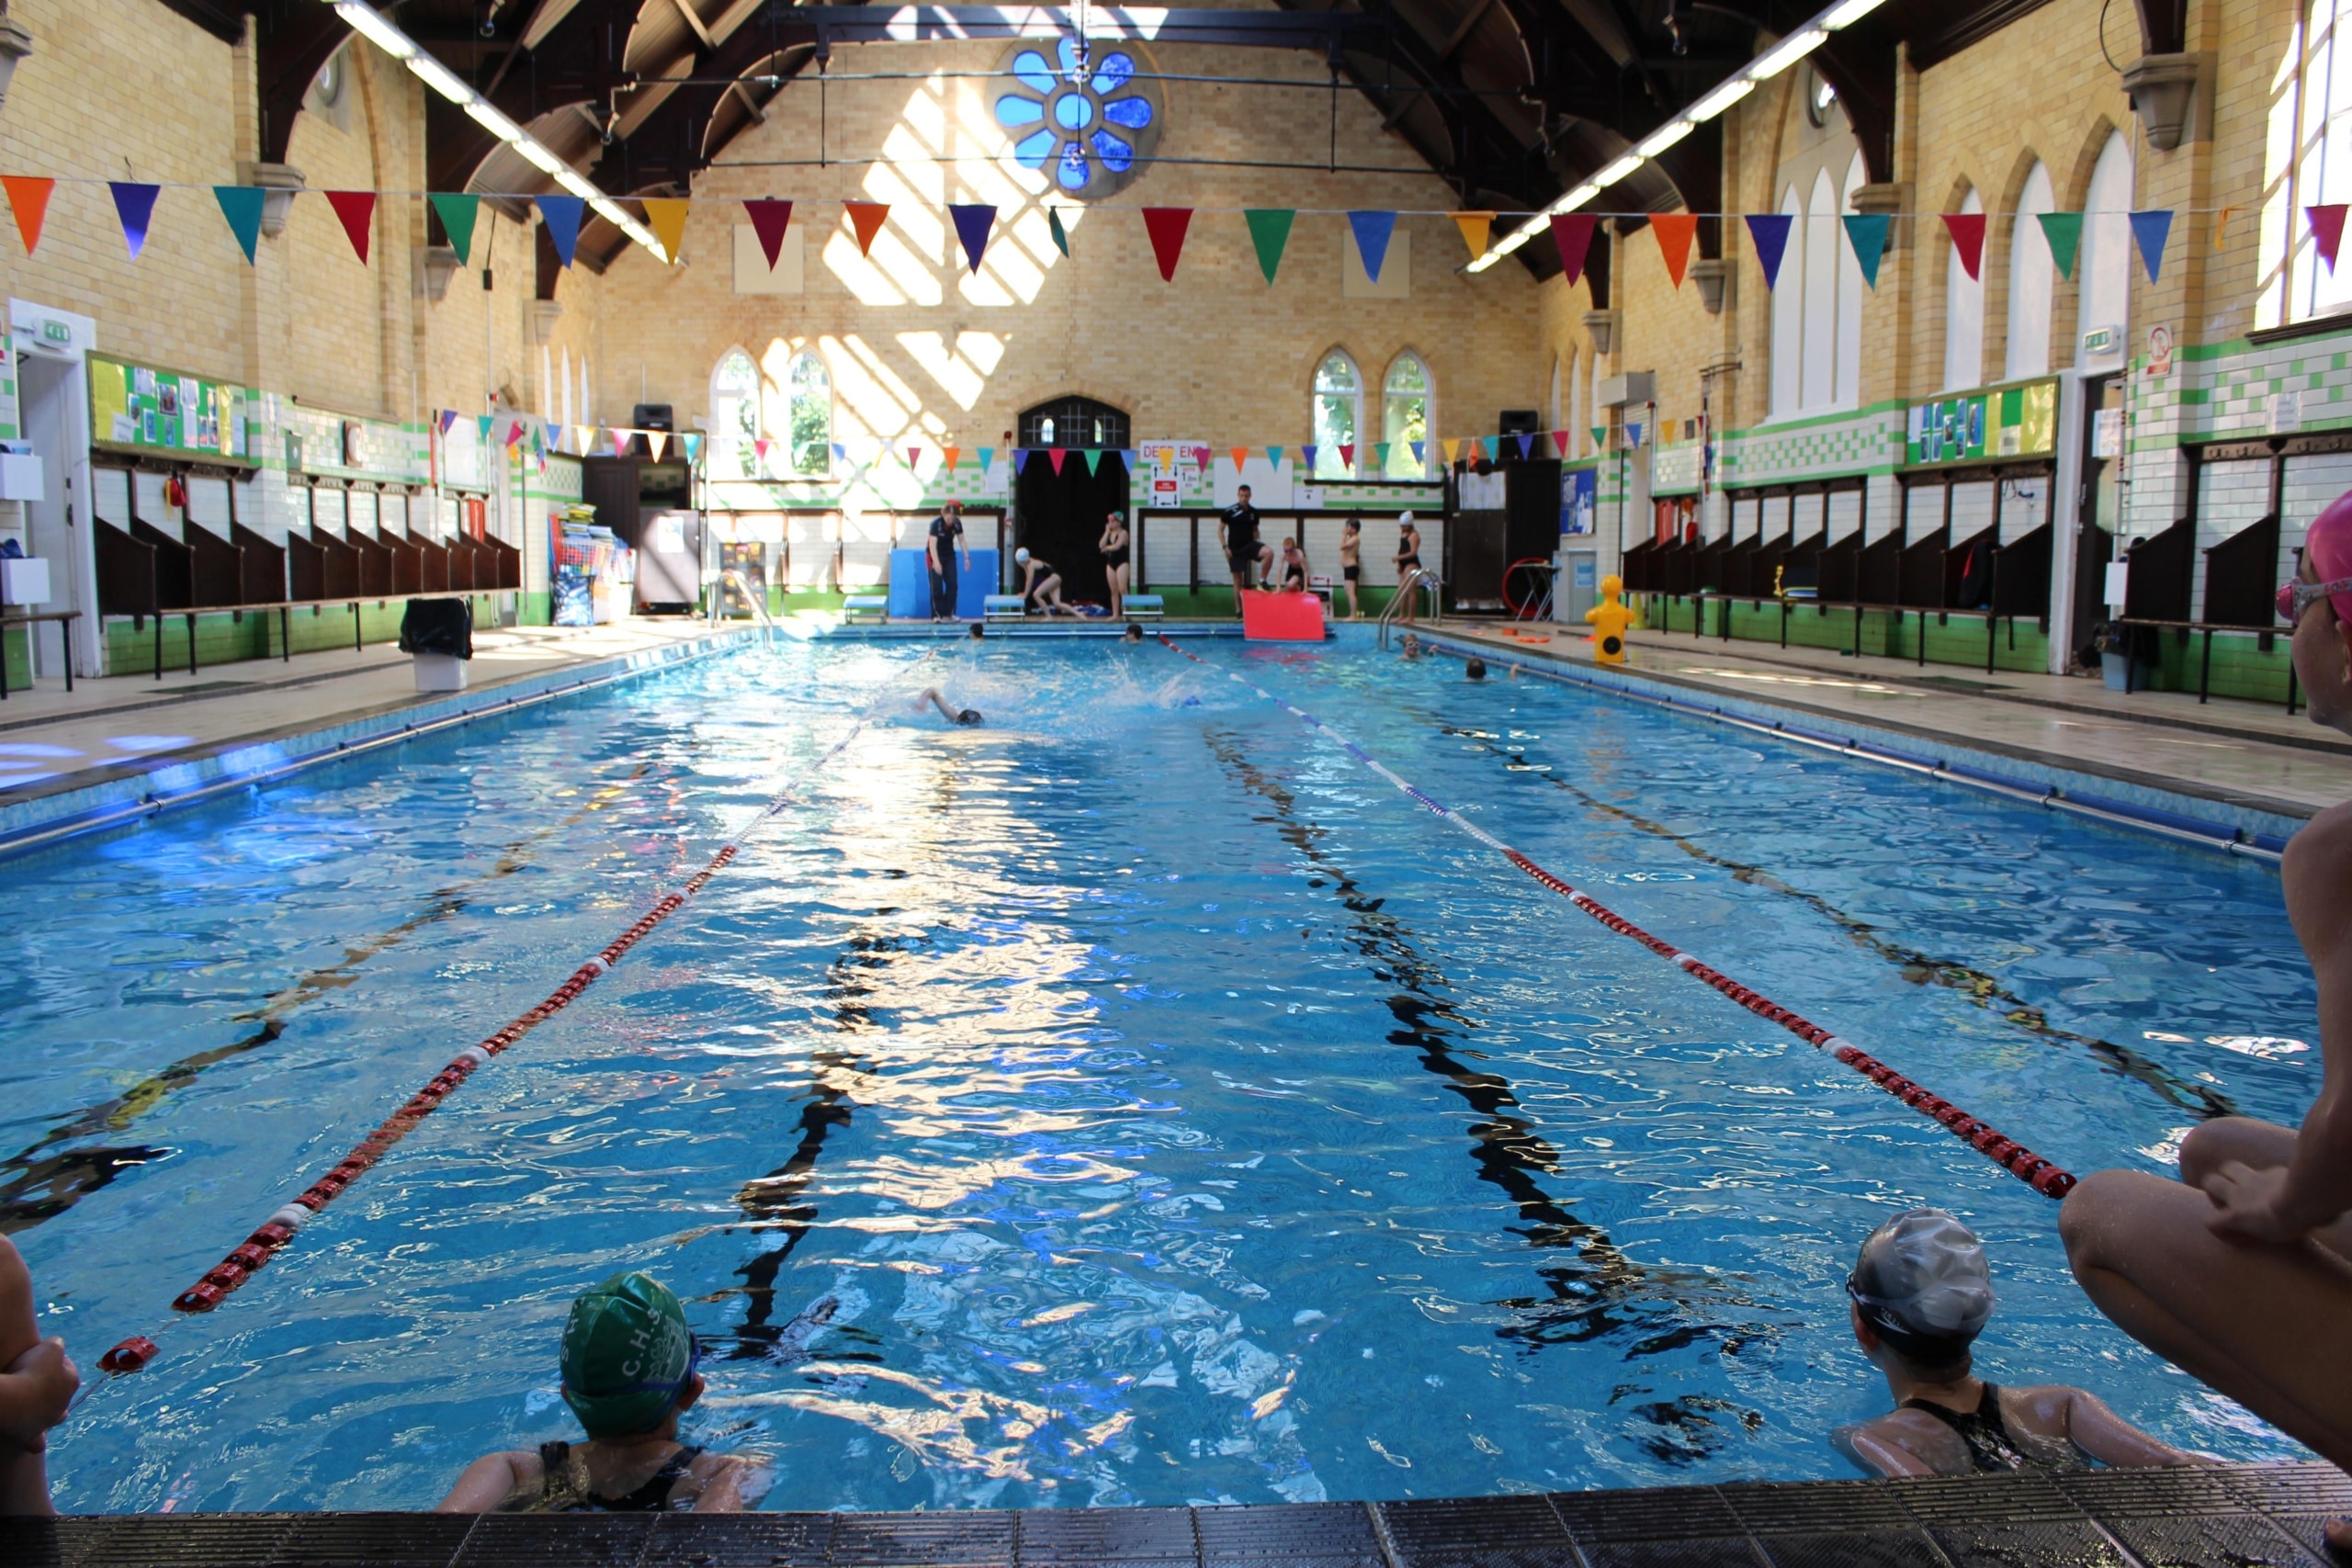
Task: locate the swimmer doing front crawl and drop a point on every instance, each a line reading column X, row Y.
column 952, row 713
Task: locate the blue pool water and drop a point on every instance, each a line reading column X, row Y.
column 1133, row 1101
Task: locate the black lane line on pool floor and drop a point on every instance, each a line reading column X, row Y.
column 1975, row 985
column 1592, row 1302
column 37, row 1185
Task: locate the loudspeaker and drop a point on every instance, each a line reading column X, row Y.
column 1519, row 422
column 652, row 416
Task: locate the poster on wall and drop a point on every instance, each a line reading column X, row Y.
column 162, row 411
column 1579, row 499
column 2004, row 421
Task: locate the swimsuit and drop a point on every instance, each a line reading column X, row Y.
column 1351, row 572
column 1116, row 555
column 1992, row 1449
column 564, row 1487
column 1294, row 576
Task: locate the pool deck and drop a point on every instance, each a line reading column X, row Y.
column 2239, row 1516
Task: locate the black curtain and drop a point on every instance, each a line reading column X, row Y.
column 1059, row 516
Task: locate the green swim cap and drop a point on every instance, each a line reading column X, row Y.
column 626, row 1354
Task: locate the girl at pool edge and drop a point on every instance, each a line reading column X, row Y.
column 628, row 1373
column 2241, row 1271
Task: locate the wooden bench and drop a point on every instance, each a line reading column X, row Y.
column 29, row 619
column 1144, row 607
column 1003, row 607
column 865, row 606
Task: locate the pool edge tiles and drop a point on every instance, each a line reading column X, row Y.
column 132, row 794
column 2223, row 1514
column 2221, row 820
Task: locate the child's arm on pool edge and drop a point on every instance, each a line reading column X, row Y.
column 37, row 1384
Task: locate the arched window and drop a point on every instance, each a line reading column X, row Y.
column 1405, row 417
column 2310, row 102
column 2104, row 271
column 2032, row 278
column 1964, row 312
column 1338, row 414
column 809, row 416
column 1821, row 268
column 735, row 417
column 1845, row 391
column 1788, row 315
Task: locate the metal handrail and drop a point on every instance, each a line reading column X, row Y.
column 1419, row 578
column 758, row 603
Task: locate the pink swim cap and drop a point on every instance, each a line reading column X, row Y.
column 2328, row 547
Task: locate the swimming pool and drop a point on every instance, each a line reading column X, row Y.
column 1132, row 1101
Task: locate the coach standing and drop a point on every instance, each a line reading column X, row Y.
column 946, row 538
column 1236, row 529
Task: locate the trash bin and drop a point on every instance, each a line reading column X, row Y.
column 438, row 634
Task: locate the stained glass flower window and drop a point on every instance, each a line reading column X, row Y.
column 1091, row 128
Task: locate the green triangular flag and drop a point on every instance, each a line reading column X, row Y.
column 1093, row 458
column 1061, row 235
column 1270, row 231
column 1866, row 231
column 2064, row 232
column 1380, row 453
column 456, row 215
column 1599, row 437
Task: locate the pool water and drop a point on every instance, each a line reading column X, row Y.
column 1133, row 1101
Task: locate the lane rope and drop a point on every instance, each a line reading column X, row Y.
column 249, row 1257
column 2044, row 1176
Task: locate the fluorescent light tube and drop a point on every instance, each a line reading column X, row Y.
column 441, row 79
column 1845, row 16
column 1618, row 170
column 377, row 31
column 570, row 180
column 1664, row 137
column 1722, row 98
column 1787, row 52
column 497, row 124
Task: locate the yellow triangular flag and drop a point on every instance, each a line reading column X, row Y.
column 658, row 442
column 1475, row 227
column 587, row 434
column 666, row 216
column 1452, row 449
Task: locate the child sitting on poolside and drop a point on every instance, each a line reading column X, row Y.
column 37, row 1384
column 628, row 1373
column 1920, row 1295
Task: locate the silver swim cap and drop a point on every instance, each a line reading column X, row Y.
column 1022, row 557
column 1921, row 1282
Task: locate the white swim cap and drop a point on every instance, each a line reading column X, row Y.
column 1922, row 1277
column 1403, row 518
column 1022, row 557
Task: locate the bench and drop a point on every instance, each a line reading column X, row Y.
column 858, row 606
column 1003, row 607
column 1144, row 607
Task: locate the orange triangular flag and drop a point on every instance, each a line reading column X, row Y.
column 1475, row 227
column 1240, row 456
column 1674, row 231
column 29, row 199
column 947, row 456
column 866, row 217
column 666, row 215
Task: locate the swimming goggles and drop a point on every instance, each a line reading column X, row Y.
column 2294, row 598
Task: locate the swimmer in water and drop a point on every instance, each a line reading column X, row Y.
column 1476, row 669
column 1133, row 634
column 953, row 714
column 1411, row 647
column 1920, row 1295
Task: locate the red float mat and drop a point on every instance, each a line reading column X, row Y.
column 1282, row 617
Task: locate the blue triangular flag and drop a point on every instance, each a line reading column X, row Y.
column 1274, row 455
column 1634, row 433
column 1769, row 230
column 134, row 204
column 482, row 426
column 972, row 226
column 449, row 418
column 240, row 205
column 1866, row 231
column 988, row 456
column 2152, row 230
column 1373, row 230
column 561, row 215
column 1526, row 447
column 841, row 451
column 1417, row 445
column 1306, row 456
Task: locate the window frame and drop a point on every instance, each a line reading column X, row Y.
column 1402, row 466
column 1328, row 462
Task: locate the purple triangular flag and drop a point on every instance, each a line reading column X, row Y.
column 1526, row 447
column 134, row 204
column 1306, row 456
column 2152, row 230
column 1373, row 230
column 972, row 226
column 1769, row 230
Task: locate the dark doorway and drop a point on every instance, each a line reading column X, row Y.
column 1060, row 515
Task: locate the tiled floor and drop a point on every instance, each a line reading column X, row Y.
column 2250, row 752
column 2240, row 1516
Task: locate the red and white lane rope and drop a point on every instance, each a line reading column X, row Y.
column 247, row 1258
column 2043, row 1176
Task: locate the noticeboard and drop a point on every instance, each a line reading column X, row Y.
column 1999, row 421
column 141, row 408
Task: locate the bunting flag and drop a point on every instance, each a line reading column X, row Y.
column 2152, row 230
column 947, row 456
column 1493, row 445
column 1967, row 232
column 2327, row 228
column 1306, row 456
column 1054, row 226
column 666, row 216
column 1675, row 231
column 694, row 446
column 1419, row 456
column 561, row 215
column 761, row 443
column 514, row 433
column 1475, row 227
column 1373, row 231
column 1166, row 225
column 914, row 455
column 657, row 442
column 583, row 437
column 882, row 450
column 1453, row 446
column 865, row 221
column 1348, row 455
column 240, row 205
column 1269, row 234
column 769, row 219
column 2222, row 227
column 1560, row 445
column 447, row 418
column 134, row 205
column 839, row 449
column 1093, row 456
column 456, row 214
column 1770, row 232
column 1527, row 443
column 1601, row 432
column 1866, row 231
column 1380, row 450
column 2064, row 230
column 1634, row 433
column 972, row 226
column 1274, row 455
column 988, row 456
column 357, row 210
column 1056, row 456
column 1572, row 232
column 1241, row 455
column 29, row 199
column 481, row 428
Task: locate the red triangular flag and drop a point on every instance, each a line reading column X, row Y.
column 1572, row 232
column 1056, row 454
column 1674, row 233
column 866, row 217
column 1967, row 232
column 1347, row 455
column 2327, row 228
column 357, row 210
column 1241, row 455
column 1166, row 226
column 912, row 453
column 769, row 220
column 29, row 199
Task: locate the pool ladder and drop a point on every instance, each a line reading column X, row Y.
column 758, row 603
column 1420, row 579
